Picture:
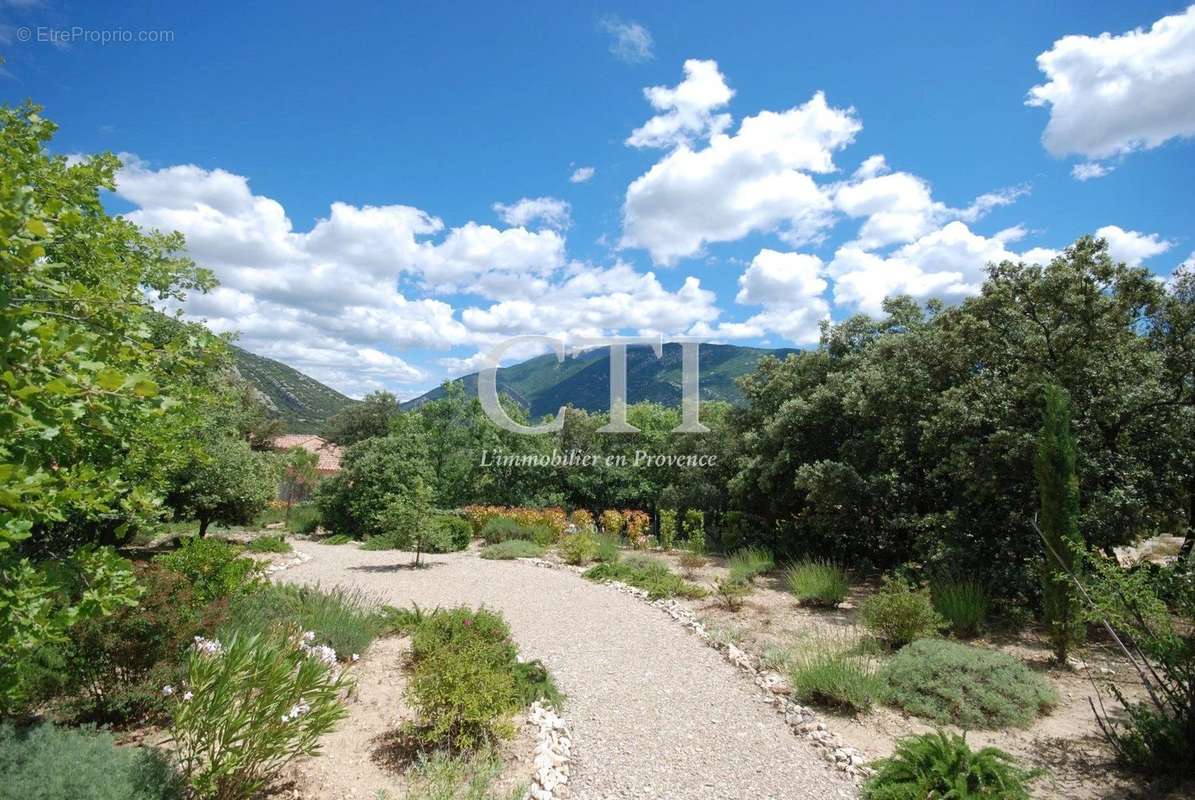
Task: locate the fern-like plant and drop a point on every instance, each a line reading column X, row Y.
column 943, row 765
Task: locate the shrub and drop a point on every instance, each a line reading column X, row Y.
column 534, row 682
column 500, row 529
column 343, row 619
column 899, row 614
column 272, row 543
column 213, row 568
column 512, row 548
column 553, row 518
column 963, row 604
column 337, row 538
column 941, row 764
column 734, row 531
column 826, row 675
column 579, row 548
column 466, row 679
column 607, row 549
column 116, row 665
column 612, row 522
column 691, row 562
column 251, row 706
column 817, row 583
column 541, row 533
column 695, row 530
column 379, row 542
column 448, row 533
column 749, row 562
column 582, row 520
column 48, row 763
column 446, row 776
column 304, row 519
column 667, row 528
column 638, row 527
column 949, row 682
column 731, row 591
column 649, row 574
column 1157, row 733
column 391, row 619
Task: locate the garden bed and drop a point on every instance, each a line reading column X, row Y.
column 359, row 758
column 1066, row 741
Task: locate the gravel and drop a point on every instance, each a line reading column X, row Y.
column 653, row 712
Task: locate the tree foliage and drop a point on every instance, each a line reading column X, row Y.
column 360, row 421
column 98, row 389
column 227, row 483
column 1058, row 488
column 913, row 437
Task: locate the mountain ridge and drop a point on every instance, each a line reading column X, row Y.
column 541, row 385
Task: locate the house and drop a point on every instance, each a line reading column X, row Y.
column 329, row 454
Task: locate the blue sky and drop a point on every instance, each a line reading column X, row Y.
column 739, row 206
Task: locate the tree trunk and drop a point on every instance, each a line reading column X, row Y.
column 203, row 523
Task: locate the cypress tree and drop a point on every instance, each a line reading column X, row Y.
column 1058, row 490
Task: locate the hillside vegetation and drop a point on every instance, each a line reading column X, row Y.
column 541, row 385
column 302, row 402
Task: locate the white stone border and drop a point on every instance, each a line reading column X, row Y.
column 299, row 558
column 553, row 751
column 803, row 721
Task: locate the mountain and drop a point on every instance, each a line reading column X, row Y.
column 541, row 385
column 303, row 403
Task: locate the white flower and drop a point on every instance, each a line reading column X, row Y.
column 356, row 657
column 211, row 647
column 309, row 636
column 187, row 696
column 297, row 710
column 168, row 690
column 320, row 651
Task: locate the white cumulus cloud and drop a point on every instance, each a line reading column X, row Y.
column 755, row 180
column 328, row 301
column 548, row 211
column 1131, row 247
column 686, row 110
column 581, row 174
column 1113, row 94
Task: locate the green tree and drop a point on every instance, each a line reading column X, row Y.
column 97, row 388
column 228, row 483
column 368, row 419
column 372, row 471
column 1058, row 490
column 96, row 385
column 298, row 476
column 404, row 518
column 913, row 437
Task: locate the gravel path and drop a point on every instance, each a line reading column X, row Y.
column 653, row 712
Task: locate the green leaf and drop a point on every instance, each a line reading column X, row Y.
column 110, row 380
column 145, row 388
column 37, row 227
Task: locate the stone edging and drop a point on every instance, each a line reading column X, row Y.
column 803, row 721
column 553, row 748
column 278, row 566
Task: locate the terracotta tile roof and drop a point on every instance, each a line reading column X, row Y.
column 329, row 454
